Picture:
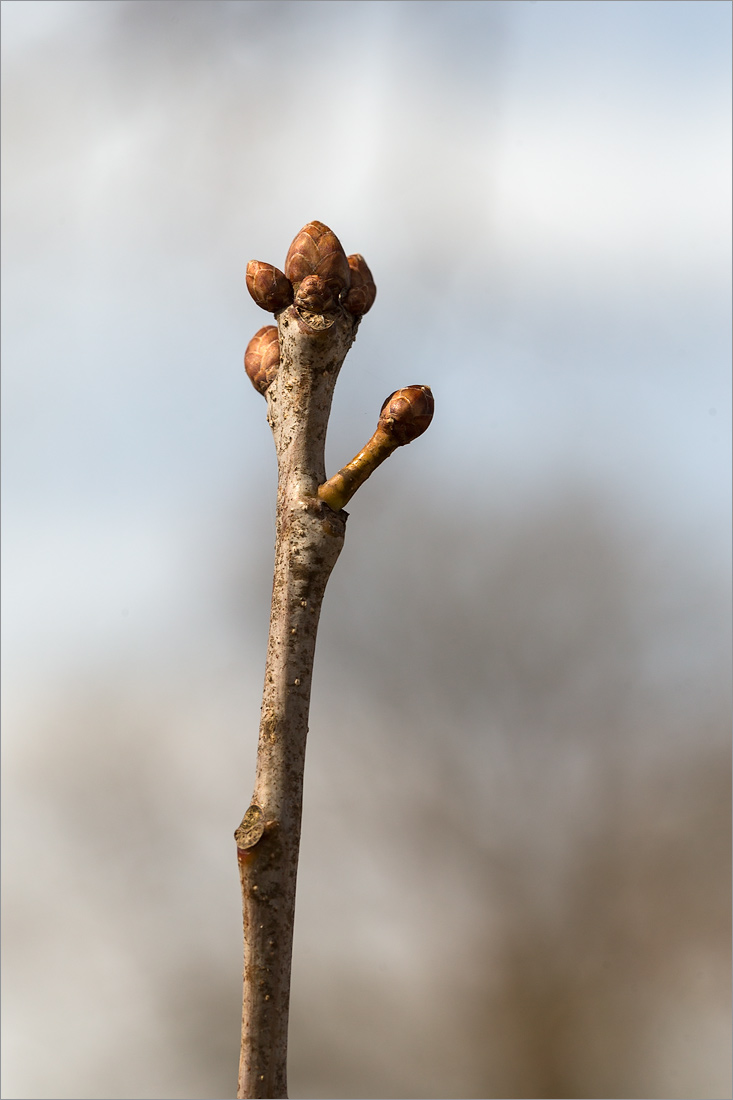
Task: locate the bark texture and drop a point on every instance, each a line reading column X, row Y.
column 309, row 538
column 318, row 302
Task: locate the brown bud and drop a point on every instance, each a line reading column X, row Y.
column 268, row 286
column 262, row 357
column 315, row 295
column 317, row 251
column 360, row 298
column 407, row 413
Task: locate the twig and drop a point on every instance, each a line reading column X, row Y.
column 318, row 302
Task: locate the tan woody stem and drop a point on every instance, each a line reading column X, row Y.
column 309, row 537
column 318, row 302
column 339, row 489
column 404, row 416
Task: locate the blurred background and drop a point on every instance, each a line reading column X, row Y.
column 515, row 875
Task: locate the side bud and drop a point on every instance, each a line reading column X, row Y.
column 317, row 251
column 315, row 295
column 360, row 298
column 262, row 357
column 268, row 286
column 407, row 413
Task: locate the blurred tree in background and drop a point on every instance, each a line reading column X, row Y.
column 515, row 872
column 516, row 857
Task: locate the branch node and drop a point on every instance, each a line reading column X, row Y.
column 251, row 829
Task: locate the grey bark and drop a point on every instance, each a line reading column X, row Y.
column 309, row 538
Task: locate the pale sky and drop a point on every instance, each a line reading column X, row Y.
column 543, row 194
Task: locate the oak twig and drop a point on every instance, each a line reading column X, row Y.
column 318, row 302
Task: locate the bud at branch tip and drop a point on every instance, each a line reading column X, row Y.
column 404, row 416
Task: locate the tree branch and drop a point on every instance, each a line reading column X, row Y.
column 318, row 303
